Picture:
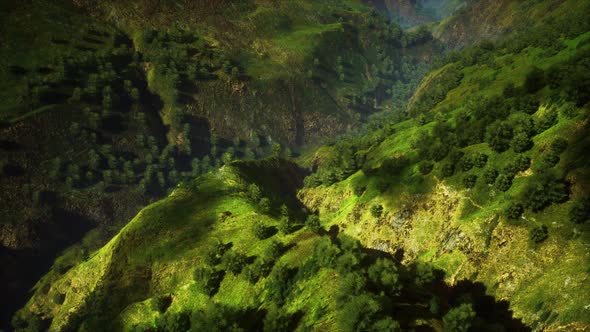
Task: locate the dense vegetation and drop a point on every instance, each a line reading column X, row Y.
column 321, row 167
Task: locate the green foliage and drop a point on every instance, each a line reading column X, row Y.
column 499, row 135
column 173, row 322
column 521, row 142
column 264, row 205
column 480, row 160
column 424, row 274
column 215, row 252
column 254, row 193
column 538, row 234
column 261, row 231
column 276, row 319
column 447, row 169
column 459, row 319
column 234, row 261
column 544, row 190
column 503, row 182
column 383, row 273
column 376, row 210
column 208, row 279
column 490, row 175
column 425, row 167
column 358, row 313
column 579, row 212
column 358, row 189
column 313, row 223
column 469, row 180
column 514, row 211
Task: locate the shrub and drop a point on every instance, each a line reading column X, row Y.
column 490, row 175
column 469, row 181
column 538, row 234
column 313, row 223
column 261, row 231
column 448, row 170
column 285, row 225
column 382, row 185
column 503, row 182
column 580, row 211
column 376, row 210
column 260, row 268
column 234, row 262
column 559, row 145
column 543, row 191
column 358, row 189
column 254, row 193
column 499, row 135
column 514, row 211
column 208, row 279
column 215, row 252
column 383, row 274
column 466, row 163
column 459, row 319
column 425, row 167
column 264, row 205
column 480, row 160
column 521, row 142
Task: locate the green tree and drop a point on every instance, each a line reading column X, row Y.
column 503, row 182
column 384, row 274
column 469, row 180
column 254, row 193
column 490, row 175
column 260, row 230
column 538, row 234
column 234, row 262
column 521, row 142
column 376, row 210
column 264, row 205
column 580, row 211
column 499, row 136
column 514, row 211
column 459, row 319
column 313, row 223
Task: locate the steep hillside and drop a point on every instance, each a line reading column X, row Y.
column 487, row 181
column 409, row 13
column 482, row 20
column 107, row 105
column 218, row 255
column 457, row 196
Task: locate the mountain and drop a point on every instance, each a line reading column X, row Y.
column 453, row 197
column 409, row 13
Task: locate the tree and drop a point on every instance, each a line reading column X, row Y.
column 514, row 211
column 503, row 182
column 358, row 189
column 376, row 210
column 459, row 319
column 260, row 230
column 254, row 193
column 264, row 205
column 313, row 223
column 425, row 167
column 521, row 142
column 559, row 145
column 234, row 262
column 447, row 170
column 538, row 234
column 499, row 135
column 276, row 150
column 469, row 181
column 580, row 211
column 383, row 274
column 480, row 160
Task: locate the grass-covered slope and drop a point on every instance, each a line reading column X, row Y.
column 487, row 181
column 218, row 254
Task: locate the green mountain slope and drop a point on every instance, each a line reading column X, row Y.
column 107, row 105
column 455, row 211
column 211, row 257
